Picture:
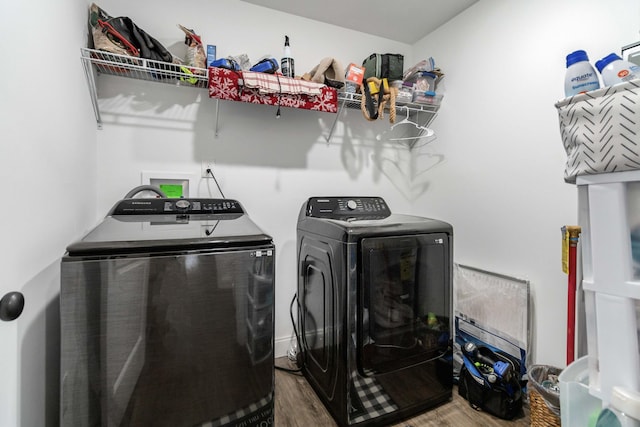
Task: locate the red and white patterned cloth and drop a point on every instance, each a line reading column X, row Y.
column 273, row 83
column 269, row 89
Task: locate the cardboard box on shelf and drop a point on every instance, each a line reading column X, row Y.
column 354, row 74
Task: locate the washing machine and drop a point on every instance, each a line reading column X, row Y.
column 166, row 313
column 374, row 309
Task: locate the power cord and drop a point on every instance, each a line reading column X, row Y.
column 295, row 331
column 209, row 232
column 291, row 371
column 210, row 172
column 279, row 95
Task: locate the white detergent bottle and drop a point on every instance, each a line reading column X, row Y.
column 616, row 70
column 580, row 77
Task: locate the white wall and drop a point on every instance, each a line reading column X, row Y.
column 501, row 184
column 48, row 175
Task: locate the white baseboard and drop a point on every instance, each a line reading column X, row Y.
column 281, row 346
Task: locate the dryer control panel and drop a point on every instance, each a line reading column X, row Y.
column 176, row 206
column 358, row 208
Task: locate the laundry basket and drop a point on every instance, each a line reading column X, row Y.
column 544, row 396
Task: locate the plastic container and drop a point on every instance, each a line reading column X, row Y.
column 580, row 76
column 427, row 97
column 426, row 82
column 578, row 408
column 405, row 93
column 616, row 70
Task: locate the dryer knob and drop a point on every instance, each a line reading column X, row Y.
column 182, row 204
column 351, row 204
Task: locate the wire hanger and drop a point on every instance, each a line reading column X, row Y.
column 425, row 132
column 405, row 120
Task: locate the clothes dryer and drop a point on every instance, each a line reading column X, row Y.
column 167, row 318
column 375, row 309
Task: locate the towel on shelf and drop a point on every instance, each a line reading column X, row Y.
column 227, row 84
column 273, row 84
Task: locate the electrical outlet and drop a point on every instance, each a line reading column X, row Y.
column 205, row 167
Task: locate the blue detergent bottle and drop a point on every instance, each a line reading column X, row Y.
column 580, row 76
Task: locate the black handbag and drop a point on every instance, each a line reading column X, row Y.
column 127, row 32
column 122, row 36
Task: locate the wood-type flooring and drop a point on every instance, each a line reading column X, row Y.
column 296, row 405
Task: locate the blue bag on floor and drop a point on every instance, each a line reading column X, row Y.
column 490, row 381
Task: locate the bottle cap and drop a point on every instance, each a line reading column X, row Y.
column 606, row 61
column 577, row 56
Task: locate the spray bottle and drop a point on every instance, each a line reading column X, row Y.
column 287, row 63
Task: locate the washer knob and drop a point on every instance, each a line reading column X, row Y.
column 182, row 204
column 351, row 204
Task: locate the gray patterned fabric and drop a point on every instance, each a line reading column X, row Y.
column 601, row 130
column 371, row 400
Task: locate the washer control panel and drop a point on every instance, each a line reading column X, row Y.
column 176, row 206
column 348, row 208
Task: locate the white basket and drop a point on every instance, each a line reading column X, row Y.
column 601, row 130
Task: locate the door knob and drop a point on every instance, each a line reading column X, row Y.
column 11, row 306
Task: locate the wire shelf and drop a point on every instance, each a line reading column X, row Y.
column 101, row 62
column 145, row 69
column 353, row 100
